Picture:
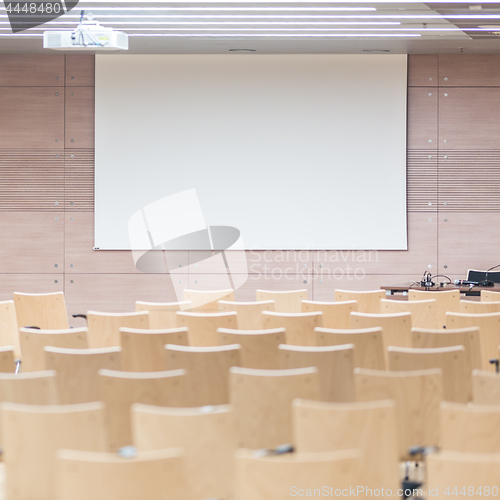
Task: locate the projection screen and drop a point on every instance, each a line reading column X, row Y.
column 292, row 151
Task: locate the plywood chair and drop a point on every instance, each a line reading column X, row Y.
column 31, row 436
column 489, row 332
column 450, row 471
column 154, row 475
column 7, row 361
column 367, row 426
column 259, row 348
column 469, row 428
column 368, row 342
column 35, row 388
column 9, row 331
column 289, row 301
column 335, row 366
column 417, row 395
column 468, row 337
column 207, row 371
column 262, row 402
column 104, row 328
column 299, row 327
column 280, row 477
column 119, row 390
column 33, row 342
column 143, row 350
column 162, row 315
column 457, row 384
column 485, row 387
column 42, row 310
column 207, row 300
column 396, row 328
column 335, row 314
column 202, row 327
column 77, row 378
column 474, row 307
column 368, row 302
column 207, row 437
column 424, row 313
column 490, row 296
column 249, row 313
column 447, row 301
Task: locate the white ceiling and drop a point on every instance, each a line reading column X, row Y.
column 282, row 26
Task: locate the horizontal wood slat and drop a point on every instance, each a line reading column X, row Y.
column 31, row 180
column 422, row 180
column 79, row 180
column 469, row 181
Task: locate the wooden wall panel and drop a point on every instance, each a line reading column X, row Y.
column 79, row 180
column 29, row 283
column 31, row 242
column 80, row 70
column 422, row 118
column 469, row 181
column 422, row 180
column 25, row 70
column 468, row 240
column 464, row 70
column 31, row 180
column 421, row 253
column 469, row 118
column 32, row 117
column 422, row 70
column 79, row 117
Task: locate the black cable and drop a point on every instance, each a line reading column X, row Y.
column 442, row 276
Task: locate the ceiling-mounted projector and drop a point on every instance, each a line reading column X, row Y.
column 88, row 35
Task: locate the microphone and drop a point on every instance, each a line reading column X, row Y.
column 466, row 282
column 486, row 282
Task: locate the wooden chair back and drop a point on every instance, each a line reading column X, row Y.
column 485, row 387
column 119, row 390
column 299, row 327
column 280, row 476
column 262, row 402
column 207, row 437
column 162, row 315
column 468, row 337
column 289, row 301
column 490, row 296
column 249, row 313
column 144, row 350
column 474, row 307
column 77, row 371
column 469, row 428
column 335, row 366
column 34, row 341
column 207, row 371
column 158, row 474
column 207, row 300
column 43, row 310
column 34, row 388
column 367, row 426
column 368, row 342
column 202, row 327
column 336, row 315
column 424, row 313
column 9, row 330
column 104, row 328
column 417, row 395
column 259, row 348
column 31, row 436
column 368, row 301
column 489, row 332
column 457, row 382
column 446, row 301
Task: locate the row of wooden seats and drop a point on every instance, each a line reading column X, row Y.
column 264, row 412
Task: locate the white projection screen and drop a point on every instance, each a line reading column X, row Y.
column 294, row 151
